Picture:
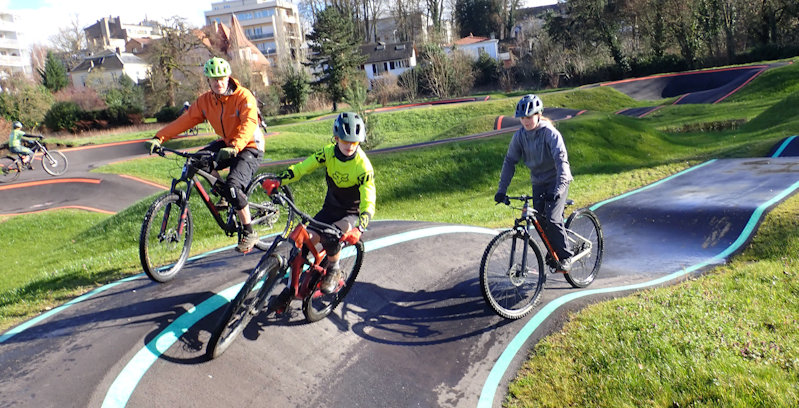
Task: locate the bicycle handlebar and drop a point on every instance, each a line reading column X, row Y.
column 162, row 151
column 325, row 228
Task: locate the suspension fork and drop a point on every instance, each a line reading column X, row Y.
column 183, row 199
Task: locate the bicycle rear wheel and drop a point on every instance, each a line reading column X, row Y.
column 510, row 289
column 9, row 169
column 268, row 219
column 54, row 163
column 165, row 238
column 258, row 285
column 584, row 223
column 318, row 305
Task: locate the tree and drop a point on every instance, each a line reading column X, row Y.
column 477, row 17
column 54, row 74
column 70, row 42
column 335, row 52
column 171, row 54
column 296, row 87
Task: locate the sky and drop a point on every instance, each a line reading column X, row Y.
column 42, row 19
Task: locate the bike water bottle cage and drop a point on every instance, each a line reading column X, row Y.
column 529, row 105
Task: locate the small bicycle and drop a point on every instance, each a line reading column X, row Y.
column 307, row 267
column 53, row 162
column 512, row 273
column 167, row 229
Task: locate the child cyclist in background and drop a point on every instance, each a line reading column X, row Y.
column 350, row 200
column 543, row 151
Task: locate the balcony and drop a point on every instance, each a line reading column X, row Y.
column 256, row 37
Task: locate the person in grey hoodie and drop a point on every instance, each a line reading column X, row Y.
column 541, row 147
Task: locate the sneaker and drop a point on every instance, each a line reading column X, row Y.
column 247, row 241
column 222, row 204
column 565, row 265
column 330, row 281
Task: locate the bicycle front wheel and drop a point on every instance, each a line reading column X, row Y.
column 268, row 219
column 9, row 169
column 165, row 238
column 585, row 237
column 54, row 163
column 258, row 285
column 318, row 305
column 509, row 287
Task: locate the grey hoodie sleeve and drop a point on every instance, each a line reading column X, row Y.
column 509, row 164
column 557, row 148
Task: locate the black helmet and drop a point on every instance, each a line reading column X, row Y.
column 349, row 127
column 17, row 125
column 529, row 105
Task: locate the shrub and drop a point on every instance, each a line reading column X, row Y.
column 167, row 114
column 86, row 98
column 385, row 90
column 63, row 116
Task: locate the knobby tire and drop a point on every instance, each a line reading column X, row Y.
column 162, row 257
column 583, row 271
column 511, row 292
column 318, row 305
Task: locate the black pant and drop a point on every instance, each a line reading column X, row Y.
column 242, row 169
column 552, row 212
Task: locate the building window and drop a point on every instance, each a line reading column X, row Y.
column 391, row 65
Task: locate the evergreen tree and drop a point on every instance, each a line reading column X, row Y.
column 54, row 75
column 335, row 52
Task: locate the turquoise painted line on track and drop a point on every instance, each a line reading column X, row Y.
column 647, row 187
column 30, row 323
column 125, row 383
column 503, row 362
column 782, row 147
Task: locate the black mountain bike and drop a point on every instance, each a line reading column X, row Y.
column 167, row 229
column 53, row 162
column 512, row 273
column 296, row 259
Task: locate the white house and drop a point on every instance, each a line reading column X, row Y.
column 383, row 59
column 110, row 66
column 474, row 46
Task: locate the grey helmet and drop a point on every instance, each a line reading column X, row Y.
column 349, row 127
column 17, row 125
column 529, row 105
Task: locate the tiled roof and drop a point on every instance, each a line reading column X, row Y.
column 381, row 52
column 471, row 40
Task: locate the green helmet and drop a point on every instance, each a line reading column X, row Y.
column 216, row 68
column 349, row 127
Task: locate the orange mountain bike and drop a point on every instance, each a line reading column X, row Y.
column 512, row 273
column 296, row 259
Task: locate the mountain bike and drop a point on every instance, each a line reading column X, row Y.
column 53, row 162
column 167, row 229
column 512, row 271
column 306, row 267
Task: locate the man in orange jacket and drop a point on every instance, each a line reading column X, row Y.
column 232, row 112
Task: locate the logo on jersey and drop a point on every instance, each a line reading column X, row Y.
column 340, row 178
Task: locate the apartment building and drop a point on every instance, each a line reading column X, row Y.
column 14, row 57
column 273, row 26
column 110, row 33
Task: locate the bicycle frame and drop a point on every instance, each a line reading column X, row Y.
column 531, row 217
column 189, row 176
